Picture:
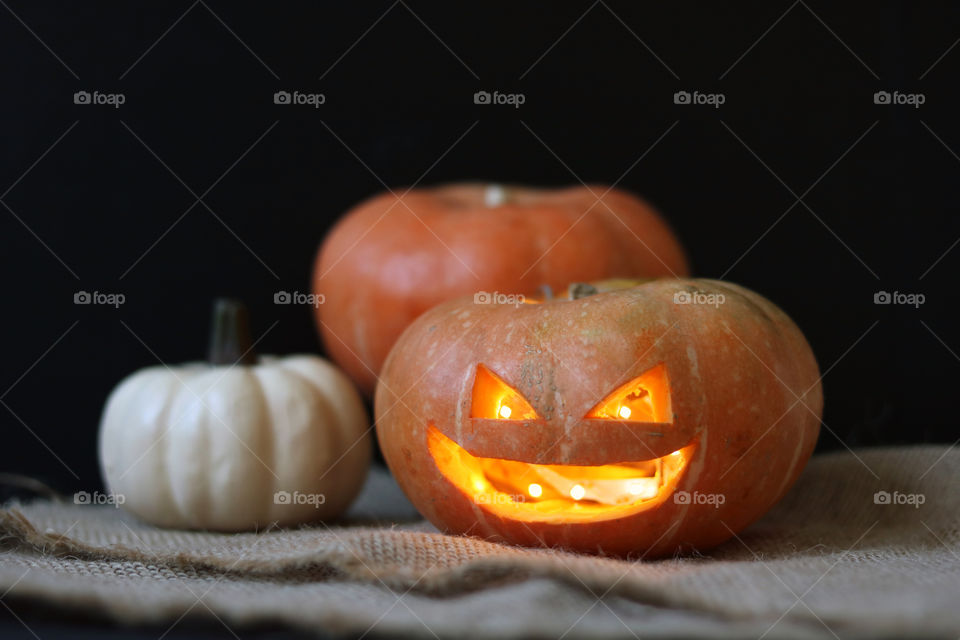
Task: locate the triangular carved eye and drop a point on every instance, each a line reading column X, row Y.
column 495, row 399
column 646, row 398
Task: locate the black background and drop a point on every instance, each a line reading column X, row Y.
column 103, row 199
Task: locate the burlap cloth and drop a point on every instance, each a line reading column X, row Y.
column 827, row 562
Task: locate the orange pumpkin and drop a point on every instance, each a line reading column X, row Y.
column 392, row 258
column 641, row 418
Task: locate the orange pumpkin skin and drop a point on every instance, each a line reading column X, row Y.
column 390, row 259
column 744, row 392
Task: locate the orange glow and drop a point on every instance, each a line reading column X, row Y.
column 646, row 398
column 558, row 493
column 494, row 398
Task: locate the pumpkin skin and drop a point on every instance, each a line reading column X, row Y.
column 741, row 417
column 388, row 261
column 177, row 464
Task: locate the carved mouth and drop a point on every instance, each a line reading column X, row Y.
column 556, row 492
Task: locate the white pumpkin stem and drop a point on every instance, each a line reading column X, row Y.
column 494, row 195
column 230, row 341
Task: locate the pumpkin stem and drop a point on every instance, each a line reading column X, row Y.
column 494, row 195
column 230, row 341
column 579, row 290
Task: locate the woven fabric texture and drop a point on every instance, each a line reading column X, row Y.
column 834, row 559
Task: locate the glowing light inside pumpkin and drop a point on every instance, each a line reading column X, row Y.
column 557, row 492
column 494, row 398
column 643, row 487
column 646, row 398
column 569, row 493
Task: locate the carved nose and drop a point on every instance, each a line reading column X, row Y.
column 591, row 441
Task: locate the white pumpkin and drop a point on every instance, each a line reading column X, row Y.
column 229, row 448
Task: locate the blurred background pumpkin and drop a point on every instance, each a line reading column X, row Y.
column 400, row 253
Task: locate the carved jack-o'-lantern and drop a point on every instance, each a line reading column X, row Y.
column 630, row 417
